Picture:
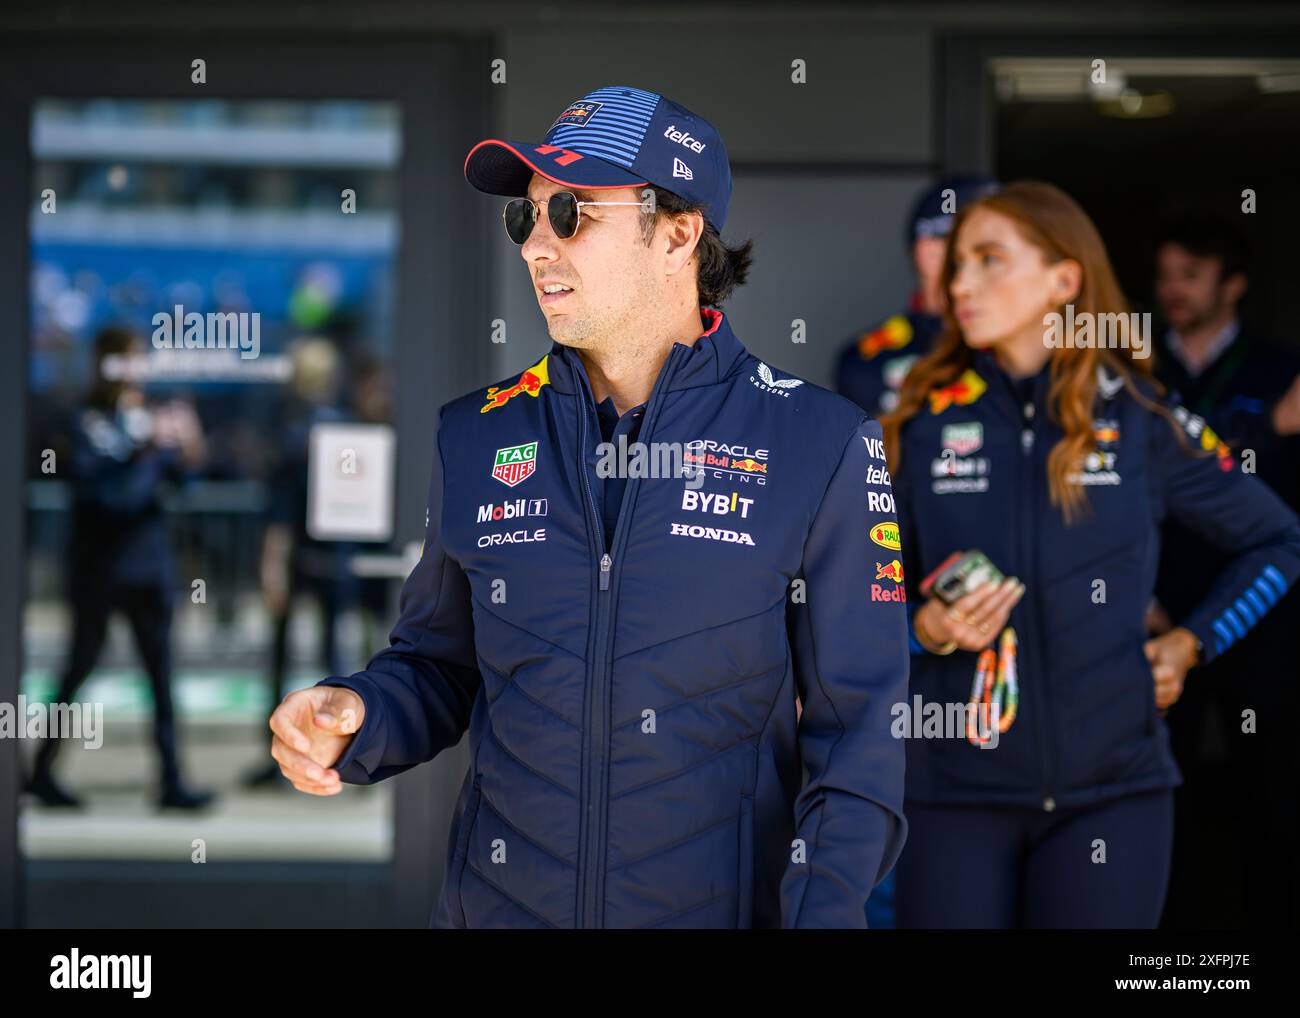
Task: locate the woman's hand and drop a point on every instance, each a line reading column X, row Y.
column 1171, row 655
column 975, row 619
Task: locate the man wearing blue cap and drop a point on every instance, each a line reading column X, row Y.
column 873, row 364
column 640, row 552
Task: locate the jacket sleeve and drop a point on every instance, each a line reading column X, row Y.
column 1236, row 512
column 419, row 690
column 911, row 556
column 849, row 647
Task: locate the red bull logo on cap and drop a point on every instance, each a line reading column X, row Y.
column 531, row 382
column 578, row 113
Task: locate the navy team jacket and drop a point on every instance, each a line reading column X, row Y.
column 872, row 366
column 636, row 759
column 973, row 475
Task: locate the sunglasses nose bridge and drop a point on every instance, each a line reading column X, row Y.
column 542, row 243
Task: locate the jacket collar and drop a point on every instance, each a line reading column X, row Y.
column 1004, row 390
column 710, row 359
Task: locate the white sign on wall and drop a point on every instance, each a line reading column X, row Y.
column 350, row 482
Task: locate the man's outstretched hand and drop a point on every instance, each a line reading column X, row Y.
column 313, row 727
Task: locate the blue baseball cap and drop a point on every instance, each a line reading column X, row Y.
column 617, row 136
column 929, row 216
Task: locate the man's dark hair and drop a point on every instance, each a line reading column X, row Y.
column 721, row 268
column 1209, row 236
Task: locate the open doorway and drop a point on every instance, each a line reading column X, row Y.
column 1140, row 140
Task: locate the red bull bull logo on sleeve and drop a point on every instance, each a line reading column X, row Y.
column 890, row 571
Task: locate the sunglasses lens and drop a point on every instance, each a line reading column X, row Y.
column 520, row 216
column 563, row 210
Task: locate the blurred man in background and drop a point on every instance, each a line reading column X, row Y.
column 872, row 366
column 1249, row 391
column 124, row 452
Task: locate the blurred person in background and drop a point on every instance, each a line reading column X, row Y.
column 292, row 561
column 1059, row 461
column 1242, row 872
column 124, row 452
column 872, row 366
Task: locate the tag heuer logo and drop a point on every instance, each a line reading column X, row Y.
column 963, row 439
column 515, row 463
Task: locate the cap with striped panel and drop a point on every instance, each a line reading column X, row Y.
column 617, row 136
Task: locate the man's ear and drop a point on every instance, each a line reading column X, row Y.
column 683, row 233
column 1234, row 287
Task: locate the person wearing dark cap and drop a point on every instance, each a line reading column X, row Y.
column 623, row 643
column 873, row 364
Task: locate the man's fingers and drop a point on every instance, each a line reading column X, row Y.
column 318, row 789
column 284, row 723
column 296, row 763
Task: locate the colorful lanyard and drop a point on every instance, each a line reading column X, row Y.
column 995, row 684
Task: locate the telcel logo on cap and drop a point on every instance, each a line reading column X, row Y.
column 683, row 138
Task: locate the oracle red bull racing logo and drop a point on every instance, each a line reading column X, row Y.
column 966, row 390
column 723, row 460
column 530, row 382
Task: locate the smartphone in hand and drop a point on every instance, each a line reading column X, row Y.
column 959, row 574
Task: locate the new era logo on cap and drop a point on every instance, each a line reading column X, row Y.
column 618, row 136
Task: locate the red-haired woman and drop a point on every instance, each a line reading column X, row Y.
column 1034, row 434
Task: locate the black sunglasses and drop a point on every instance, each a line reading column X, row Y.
column 562, row 208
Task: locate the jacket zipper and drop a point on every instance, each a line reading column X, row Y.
column 1028, row 551
column 590, row 884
